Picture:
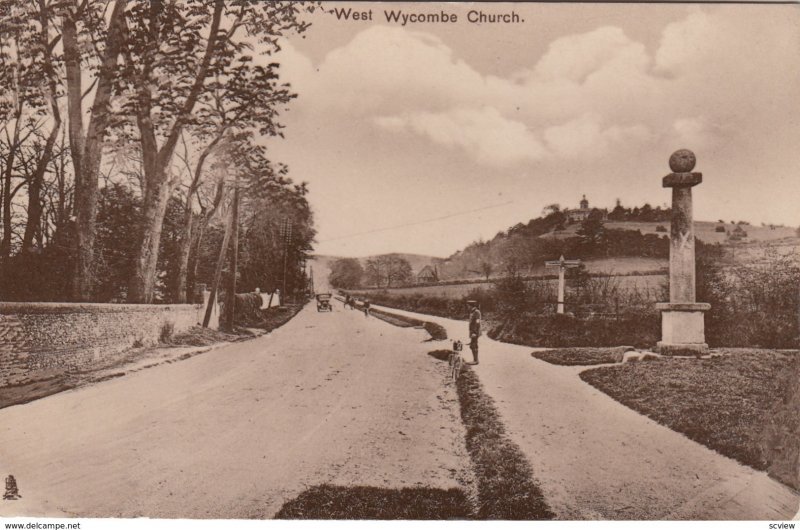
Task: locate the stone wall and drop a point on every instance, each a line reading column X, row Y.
column 42, row 340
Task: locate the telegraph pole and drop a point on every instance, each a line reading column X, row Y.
column 230, row 297
column 218, row 272
column 286, row 234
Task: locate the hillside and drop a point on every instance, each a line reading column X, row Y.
column 610, row 246
column 705, row 231
column 634, row 246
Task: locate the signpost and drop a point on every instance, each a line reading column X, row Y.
column 563, row 265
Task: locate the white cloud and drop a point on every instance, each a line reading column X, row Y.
column 576, row 57
column 484, row 133
column 585, row 137
column 404, row 80
column 680, row 45
column 388, row 68
column 692, row 131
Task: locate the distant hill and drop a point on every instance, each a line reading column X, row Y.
column 627, row 246
column 636, row 246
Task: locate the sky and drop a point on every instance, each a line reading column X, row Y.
column 424, row 137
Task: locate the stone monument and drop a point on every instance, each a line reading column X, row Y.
column 682, row 318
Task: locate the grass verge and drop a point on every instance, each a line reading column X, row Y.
column 276, row 317
column 782, row 433
column 742, row 403
column 582, row 356
column 27, row 392
column 436, row 331
column 199, row 336
column 363, row 502
column 506, row 488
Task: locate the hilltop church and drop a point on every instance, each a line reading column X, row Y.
column 581, row 214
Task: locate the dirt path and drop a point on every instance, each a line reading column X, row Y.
column 236, row 432
column 597, row 459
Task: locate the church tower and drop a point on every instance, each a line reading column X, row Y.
column 584, row 203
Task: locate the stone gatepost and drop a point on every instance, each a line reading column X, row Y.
column 682, row 318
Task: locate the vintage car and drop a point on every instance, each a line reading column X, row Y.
column 324, row 302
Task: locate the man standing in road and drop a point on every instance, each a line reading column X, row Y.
column 474, row 328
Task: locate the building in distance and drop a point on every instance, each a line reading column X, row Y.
column 581, row 214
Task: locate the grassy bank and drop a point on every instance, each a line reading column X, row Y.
column 742, row 403
column 506, row 487
column 364, row 502
column 436, row 331
column 582, row 356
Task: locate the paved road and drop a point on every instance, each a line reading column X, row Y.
column 236, row 432
column 597, row 459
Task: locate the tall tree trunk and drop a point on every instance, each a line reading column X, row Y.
column 13, row 146
column 33, row 228
column 157, row 162
column 188, row 220
column 194, row 260
column 183, row 260
column 142, row 284
column 5, row 244
column 33, row 223
column 87, row 150
column 83, row 240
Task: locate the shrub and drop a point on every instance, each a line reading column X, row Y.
column 751, row 305
column 512, row 294
column 639, row 329
column 484, row 297
column 166, row 332
column 246, row 309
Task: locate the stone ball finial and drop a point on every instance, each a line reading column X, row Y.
column 682, row 161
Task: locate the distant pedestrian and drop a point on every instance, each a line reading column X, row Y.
column 474, row 328
column 366, row 307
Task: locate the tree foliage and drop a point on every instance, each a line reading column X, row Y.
column 388, row 270
column 167, row 103
column 346, row 273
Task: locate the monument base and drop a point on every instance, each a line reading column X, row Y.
column 682, row 329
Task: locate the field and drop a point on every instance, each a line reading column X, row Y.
column 706, row 231
column 650, row 284
column 616, row 266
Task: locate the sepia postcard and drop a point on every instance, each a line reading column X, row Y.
column 342, row 261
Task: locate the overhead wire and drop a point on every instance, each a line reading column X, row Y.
column 416, row 223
